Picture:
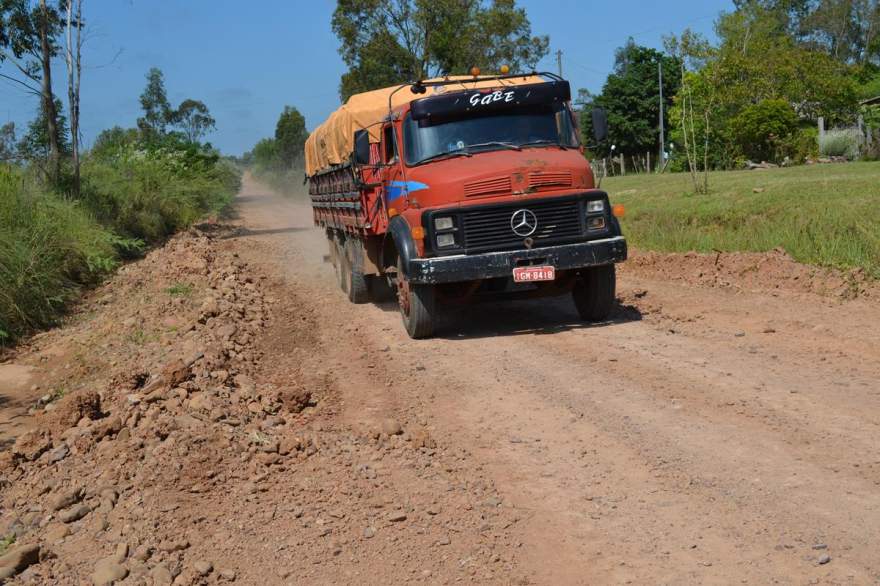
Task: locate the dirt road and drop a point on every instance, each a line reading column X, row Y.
column 219, row 412
column 706, row 435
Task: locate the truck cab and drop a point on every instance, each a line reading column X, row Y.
column 482, row 192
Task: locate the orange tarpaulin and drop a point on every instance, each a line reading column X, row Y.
column 332, row 142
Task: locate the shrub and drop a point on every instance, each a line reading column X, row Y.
column 840, row 143
column 49, row 249
column 761, row 130
column 150, row 193
column 803, row 145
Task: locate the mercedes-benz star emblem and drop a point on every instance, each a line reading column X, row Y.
column 523, row 223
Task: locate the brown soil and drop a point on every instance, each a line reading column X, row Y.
column 220, row 412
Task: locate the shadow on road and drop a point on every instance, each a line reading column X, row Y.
column 518, row 318
column 242, row 232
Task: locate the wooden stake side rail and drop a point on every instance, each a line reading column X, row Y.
column 337, row 201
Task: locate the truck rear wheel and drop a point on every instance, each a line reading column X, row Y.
column 418, row 306
column 594, row 291
column 356, row 285
column 337, row 259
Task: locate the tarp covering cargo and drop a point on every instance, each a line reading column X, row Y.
column 331, row 143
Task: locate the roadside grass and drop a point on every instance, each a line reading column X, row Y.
column 180, row 290
column 53, row 246
column 49, row 249
column 827, row 215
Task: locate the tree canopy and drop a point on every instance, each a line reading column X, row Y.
column 194, row 119
column 384, row 42
column 631, row 97
column 154, row 102
column 290, row 136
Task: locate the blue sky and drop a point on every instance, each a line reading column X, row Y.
column 247, row 60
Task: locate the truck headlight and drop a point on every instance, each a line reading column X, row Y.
column 595, row 207
column 444, row 240
column 444, row 223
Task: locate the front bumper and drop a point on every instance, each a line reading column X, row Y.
column 454, row 269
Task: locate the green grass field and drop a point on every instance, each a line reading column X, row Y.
column 826, row 215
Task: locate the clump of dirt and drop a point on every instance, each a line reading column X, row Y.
column 752, row 271
column 73, row 408
column 182, row 454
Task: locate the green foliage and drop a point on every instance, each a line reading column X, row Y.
column 180, row 290
column 191, row 120
column 757, row 61
column 631, row 97
column 34, row 145
column 840, row 143
column 803, row 144
column 763, row 130
column 870, row 88
column 194, row 119
column 49, row 249
column 820, row 214
column 154, row 102
column 7, row 142
column 385, row 43
column 148, row 192
column 844, row 29
column 290, row 137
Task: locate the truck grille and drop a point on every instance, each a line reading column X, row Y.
column 489, row 227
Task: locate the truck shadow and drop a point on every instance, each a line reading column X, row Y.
column 519, row 318
column 241, row 232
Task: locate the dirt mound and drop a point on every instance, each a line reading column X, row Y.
column 179, row 455
column 753, row 272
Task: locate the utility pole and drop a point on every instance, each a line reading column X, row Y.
column 662, row 159
column 559, row 61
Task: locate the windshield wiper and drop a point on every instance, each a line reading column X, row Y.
column 446, row 155
column 544, row 141
column 506, row 145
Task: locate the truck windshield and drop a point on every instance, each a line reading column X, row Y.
column 468, row 134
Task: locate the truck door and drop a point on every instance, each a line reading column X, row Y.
column 391, row 160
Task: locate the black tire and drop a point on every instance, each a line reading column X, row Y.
column 380, row 290
column 419, row 314
column 355, row 281
column 338, row 257
column 594, row 292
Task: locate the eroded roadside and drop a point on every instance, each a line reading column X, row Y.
column 191, row 435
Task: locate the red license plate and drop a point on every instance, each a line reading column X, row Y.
column 532, row 274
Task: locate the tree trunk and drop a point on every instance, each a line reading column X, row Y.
column 74, row 68
column 48, row 97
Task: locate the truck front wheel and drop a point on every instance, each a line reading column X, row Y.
column 594, row 291
column 418, row 306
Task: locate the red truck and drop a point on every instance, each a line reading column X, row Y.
column 447, row 190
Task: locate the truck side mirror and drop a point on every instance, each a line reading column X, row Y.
column 362, row 147
column 600, row 124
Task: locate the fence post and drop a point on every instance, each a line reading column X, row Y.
column 821, row 127
column 622, row 164
column 861, row 123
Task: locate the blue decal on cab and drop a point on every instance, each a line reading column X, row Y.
column 397, row 189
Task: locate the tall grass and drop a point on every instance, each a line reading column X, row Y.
column 826, row 215
column 150, row 194
column 49, row 249
column 52, row 247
